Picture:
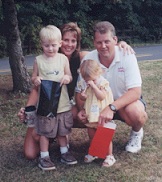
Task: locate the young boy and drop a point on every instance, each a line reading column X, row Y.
column 53, row 66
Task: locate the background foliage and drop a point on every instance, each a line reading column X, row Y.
column 135, row 21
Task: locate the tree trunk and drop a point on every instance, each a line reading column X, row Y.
column 20, row 76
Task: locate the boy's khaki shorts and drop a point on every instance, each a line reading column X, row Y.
column 51, row 127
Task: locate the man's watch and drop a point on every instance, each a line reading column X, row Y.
column 113, row 108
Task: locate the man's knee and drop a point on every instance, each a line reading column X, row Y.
column 140, row 112
column 30, row 155
column 134, row 112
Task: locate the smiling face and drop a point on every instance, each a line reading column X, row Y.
column 104, row 41
column 105, row 44
column 69, row 43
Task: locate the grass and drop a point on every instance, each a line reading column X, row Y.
column 142, row 167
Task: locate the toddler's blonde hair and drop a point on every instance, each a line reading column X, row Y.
column 90, row 68
column 50, row 33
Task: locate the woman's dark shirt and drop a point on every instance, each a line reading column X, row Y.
column 74, row 66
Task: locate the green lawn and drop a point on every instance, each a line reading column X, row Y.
column 146, row 166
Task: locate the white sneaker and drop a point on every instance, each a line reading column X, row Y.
column 134, row 144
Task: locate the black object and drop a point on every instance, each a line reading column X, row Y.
column 74, row 66
column 49, row 98
column 113, row 108
column 30, row 108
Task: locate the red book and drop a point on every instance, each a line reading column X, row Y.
column 101, row 141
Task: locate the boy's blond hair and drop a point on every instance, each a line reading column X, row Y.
column 90, row 68
column 50, row 33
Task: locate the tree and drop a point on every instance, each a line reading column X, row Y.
column 20, row 76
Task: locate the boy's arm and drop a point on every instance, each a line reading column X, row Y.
column 67, row 70
column 36, row 80
column 67, row 78
column 35, row 71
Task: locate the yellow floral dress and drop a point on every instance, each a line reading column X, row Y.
column 92, row 105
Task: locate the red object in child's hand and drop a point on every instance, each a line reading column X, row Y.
column 101, row 141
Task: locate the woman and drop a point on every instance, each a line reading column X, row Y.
column 71, row 36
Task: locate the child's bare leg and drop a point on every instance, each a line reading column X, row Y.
column 63, row 144
column 110, row 151
column 44, row 143
column 45, row 162
column 91, row 133
column 110, row 160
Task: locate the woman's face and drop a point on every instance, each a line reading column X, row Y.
column 69, row 43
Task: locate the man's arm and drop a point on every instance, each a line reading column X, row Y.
column 129, row 97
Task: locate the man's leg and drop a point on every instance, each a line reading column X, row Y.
column 31, row 144
column 135, row 116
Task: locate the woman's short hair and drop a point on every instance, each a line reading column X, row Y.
column 104, row 27
column 72, row 27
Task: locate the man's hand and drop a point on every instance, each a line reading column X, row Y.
column 105, row 116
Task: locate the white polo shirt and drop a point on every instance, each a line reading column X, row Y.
column 122, row 74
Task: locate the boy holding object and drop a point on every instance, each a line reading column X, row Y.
column 53, row 66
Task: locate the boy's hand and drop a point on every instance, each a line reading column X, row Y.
column 37, row 81
column 65, row 80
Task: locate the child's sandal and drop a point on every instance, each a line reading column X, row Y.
column 89, row 158
column 109, row 161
